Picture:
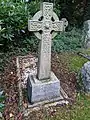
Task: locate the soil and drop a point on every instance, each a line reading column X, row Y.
column 9, row 83
column 67, row 78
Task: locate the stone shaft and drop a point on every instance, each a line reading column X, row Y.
column 44, row 66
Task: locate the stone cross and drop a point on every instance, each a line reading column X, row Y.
column 45, row 24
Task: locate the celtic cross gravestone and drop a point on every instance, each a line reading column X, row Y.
column 45, row 25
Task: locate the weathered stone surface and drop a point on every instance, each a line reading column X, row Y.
column 43, row 90
column 85, row 72
column 44, row 63
column 35, row 25
column 45, row 86
column 87, row 33
column 46, row 24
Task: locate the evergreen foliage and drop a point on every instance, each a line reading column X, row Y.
column 68, row 41
column 14, row 21
column 14, row 15
column 87, row 11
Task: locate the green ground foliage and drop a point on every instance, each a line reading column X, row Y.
column 68, row 41
column 76, row 62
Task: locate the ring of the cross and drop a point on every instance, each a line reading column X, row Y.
column 38, row 16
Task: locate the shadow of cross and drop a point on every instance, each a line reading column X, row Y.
column 44, row 24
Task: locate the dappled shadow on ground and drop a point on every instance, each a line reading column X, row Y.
column 10, row 84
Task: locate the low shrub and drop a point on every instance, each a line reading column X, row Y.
column 68, row 41
column 14, row 21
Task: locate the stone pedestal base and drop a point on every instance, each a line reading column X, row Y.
column 39, row 91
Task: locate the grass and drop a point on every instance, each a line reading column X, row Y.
column 76, row 63
column 80, row 110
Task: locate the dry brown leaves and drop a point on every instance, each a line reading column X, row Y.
column 10, row 82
